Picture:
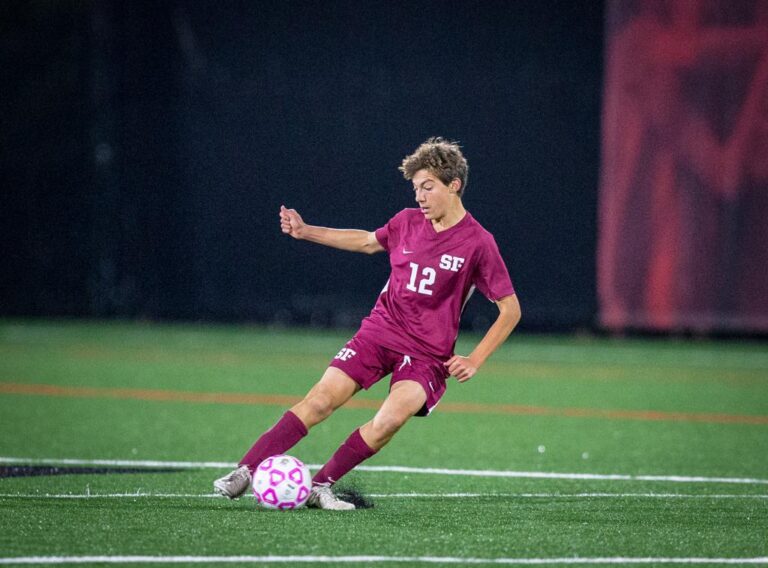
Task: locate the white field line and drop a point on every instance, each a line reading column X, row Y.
column 569, row 495
column 398, row 469
column 581, row 476
column 136, row 495
column 618, row 560
column 118, row 463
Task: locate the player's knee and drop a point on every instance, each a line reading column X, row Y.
column 319, row 405
column 388, row 424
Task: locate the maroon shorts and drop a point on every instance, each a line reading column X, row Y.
column 366, row 363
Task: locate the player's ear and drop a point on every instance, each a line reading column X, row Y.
column 455, row 185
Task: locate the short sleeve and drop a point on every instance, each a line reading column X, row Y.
column 491, row 275
column 389, row 234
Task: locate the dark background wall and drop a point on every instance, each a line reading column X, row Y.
column 145, row 149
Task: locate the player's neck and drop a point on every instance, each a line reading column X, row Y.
column 452, row 217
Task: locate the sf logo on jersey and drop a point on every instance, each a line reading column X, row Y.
column 345, row 354
column 452, row 263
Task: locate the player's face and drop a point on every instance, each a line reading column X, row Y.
column 433, row 196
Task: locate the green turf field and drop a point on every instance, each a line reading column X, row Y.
column 674, row 435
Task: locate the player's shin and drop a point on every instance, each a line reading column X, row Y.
column 285, row 434
column 350, row 454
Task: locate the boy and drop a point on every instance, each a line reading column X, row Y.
column 438, row 254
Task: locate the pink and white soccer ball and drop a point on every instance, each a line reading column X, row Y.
column 281, row 482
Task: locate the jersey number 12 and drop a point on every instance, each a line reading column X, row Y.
column 429, row 275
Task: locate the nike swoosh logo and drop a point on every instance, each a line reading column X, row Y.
column 405, row 251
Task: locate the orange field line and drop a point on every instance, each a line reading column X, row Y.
column 289, row 400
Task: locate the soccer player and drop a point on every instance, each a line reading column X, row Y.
column 438, row 254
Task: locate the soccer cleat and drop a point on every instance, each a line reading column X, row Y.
column 234, row 484
column 322, row 497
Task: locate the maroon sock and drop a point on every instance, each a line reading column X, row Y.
column 278, row 439
column 349, row 455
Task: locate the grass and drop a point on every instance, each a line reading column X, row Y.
column 693, row 384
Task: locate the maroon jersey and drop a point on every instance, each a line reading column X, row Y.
column 433, row 275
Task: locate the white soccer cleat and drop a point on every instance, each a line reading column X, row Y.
column 234, row 484
column 322, row 497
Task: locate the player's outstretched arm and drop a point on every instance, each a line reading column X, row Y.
column 353, row 240
column 464, row 368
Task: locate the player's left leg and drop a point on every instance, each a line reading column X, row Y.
column 405, row 399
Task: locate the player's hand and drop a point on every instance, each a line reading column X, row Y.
column 463, row 368
column 291, row 222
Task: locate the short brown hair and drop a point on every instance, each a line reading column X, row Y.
column 442, row 158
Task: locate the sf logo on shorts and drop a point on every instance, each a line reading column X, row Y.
column 346, row 354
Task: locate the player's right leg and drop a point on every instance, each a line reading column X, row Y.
column 333, row 390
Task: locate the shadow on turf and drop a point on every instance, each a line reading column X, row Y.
column 350, row 494
column 353, row 495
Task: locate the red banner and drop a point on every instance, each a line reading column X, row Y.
column 683, row 215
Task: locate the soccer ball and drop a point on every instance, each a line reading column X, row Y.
column 281, row 482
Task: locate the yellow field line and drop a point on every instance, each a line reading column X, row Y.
column 162, row 395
